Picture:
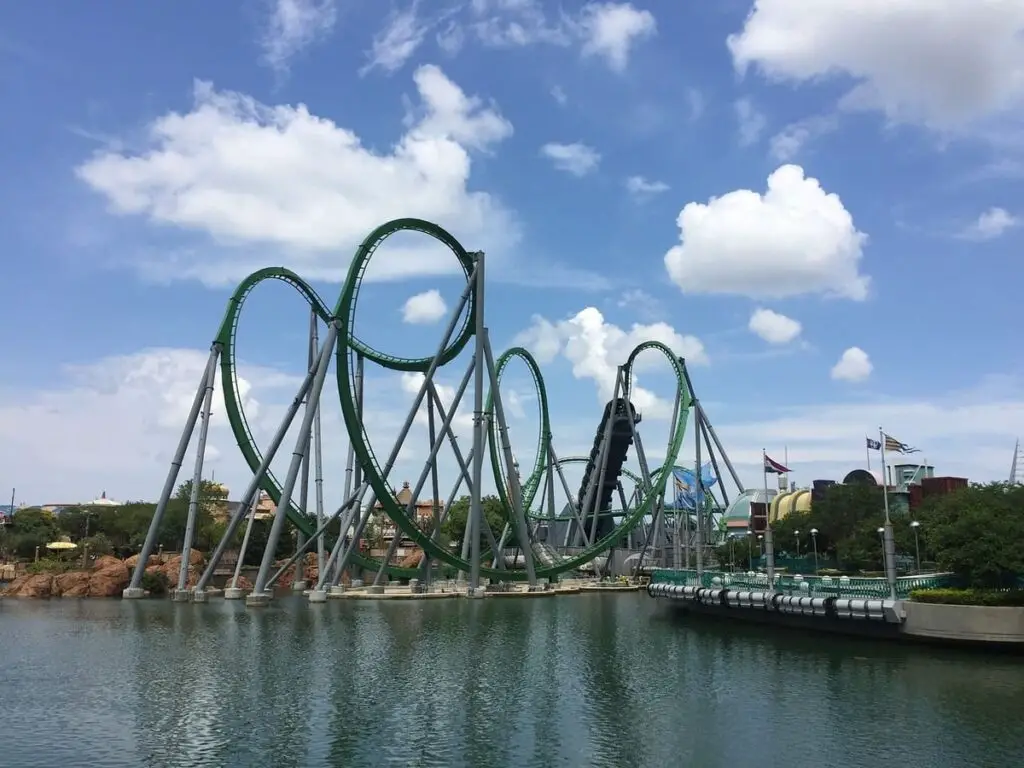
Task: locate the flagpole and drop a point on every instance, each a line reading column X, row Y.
column 888, row 540
column 867, row 452
column 769, row 549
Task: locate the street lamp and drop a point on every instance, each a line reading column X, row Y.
column 796, row 535
column 732, row 553
column 881, row 537
column 917, row 544
column 814, row 543
column 750, row 551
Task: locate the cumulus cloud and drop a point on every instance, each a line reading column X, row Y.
column 424, row 308
column 794, row 239
column 945, row 64
column 576, row 159
column 990, row 225
column 316, row 190
column 774, row 327
column 596, row 348
column 642, row 188
column 294, row 25
column 610, row 30
column 853, row 365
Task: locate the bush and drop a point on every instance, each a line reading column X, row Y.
column 155, row 583
column 98, row 545
column 987, row 597
column 51, row 565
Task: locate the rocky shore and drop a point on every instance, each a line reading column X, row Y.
column 108, row 576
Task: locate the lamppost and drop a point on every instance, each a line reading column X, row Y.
column 796, row 535
column 750, row 550
column 917, row 544
column 732, row 554
column 881, row 537
column 814, row 543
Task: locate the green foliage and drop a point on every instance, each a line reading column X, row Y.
column 454, row 527
column 155, row 583
column 30, row 529
column 986, row 597
column 978, row 533
column 98, row 545
column 737, row 554
column 52, row 565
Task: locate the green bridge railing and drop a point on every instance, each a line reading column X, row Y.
column 816, row 586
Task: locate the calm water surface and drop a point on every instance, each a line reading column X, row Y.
column 596, row 680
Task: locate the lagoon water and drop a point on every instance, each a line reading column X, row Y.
column 593, row 680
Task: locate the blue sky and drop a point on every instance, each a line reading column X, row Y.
column 705, row 175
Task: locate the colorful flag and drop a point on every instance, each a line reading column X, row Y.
column 892, row 445
column 773, row 467
column 873, row 445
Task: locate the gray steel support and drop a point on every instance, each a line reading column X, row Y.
column 516, row 491
column 301, row 444
column 197, row 473
column 702, row 422
column 352, row 469
column 699, row 506
column 134, row 589
column 594, row 492
column 435, row 510
column 299, row 581
column 252, row 491
column 245, row 542
column 318, row 462
column 476, row 518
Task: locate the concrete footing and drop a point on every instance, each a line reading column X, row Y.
column 300, row 586
column 356, row 583
column 377, row 590
column 234, row 593
column 181, row 595
column 318, row 596
column 258, row 599
column 338, row 590
column 133, row 593
column 478, row 592
column 199, row 595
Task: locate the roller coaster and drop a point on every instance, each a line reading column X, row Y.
column 540, row 539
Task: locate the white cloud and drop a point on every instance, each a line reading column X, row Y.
column 773, row 327
column 790, row 141
column 606, row 30
column 294, row 25
column 316, row 190
column 558, row 94
column 967, row 434
column 944, row 64
column 990, row 225
column 576, row 159
column 751, row 121
column 853, row 365
column 611, row 29
column 695, row 99
column 424, row 308
column 641, row 187
column 395, row 44
column 113, row 424
column 794, row 239
column 596, row 348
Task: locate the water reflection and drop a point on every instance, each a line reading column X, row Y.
column 605, row 680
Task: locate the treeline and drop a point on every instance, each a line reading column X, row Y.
column 976, row 532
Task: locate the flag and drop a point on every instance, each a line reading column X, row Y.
column 773, row 467
column 892, row 445
column 873, row 445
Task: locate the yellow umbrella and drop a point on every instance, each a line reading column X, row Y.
column 61, row 545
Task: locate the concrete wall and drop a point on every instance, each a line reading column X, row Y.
column 964, row 623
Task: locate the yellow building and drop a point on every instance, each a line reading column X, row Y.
column 787, row 503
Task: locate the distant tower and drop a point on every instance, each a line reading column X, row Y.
column 1017, row 465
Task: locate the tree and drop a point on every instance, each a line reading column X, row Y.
column 31, row 528
column 454, row 527
column 977, row 533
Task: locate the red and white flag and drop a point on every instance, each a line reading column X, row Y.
column 773, row 467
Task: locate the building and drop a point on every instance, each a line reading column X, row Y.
column 423, row 512
column 57, row 507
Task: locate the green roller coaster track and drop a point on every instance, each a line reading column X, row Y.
column 344, row 314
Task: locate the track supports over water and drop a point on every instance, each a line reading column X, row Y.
column 533, row 525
